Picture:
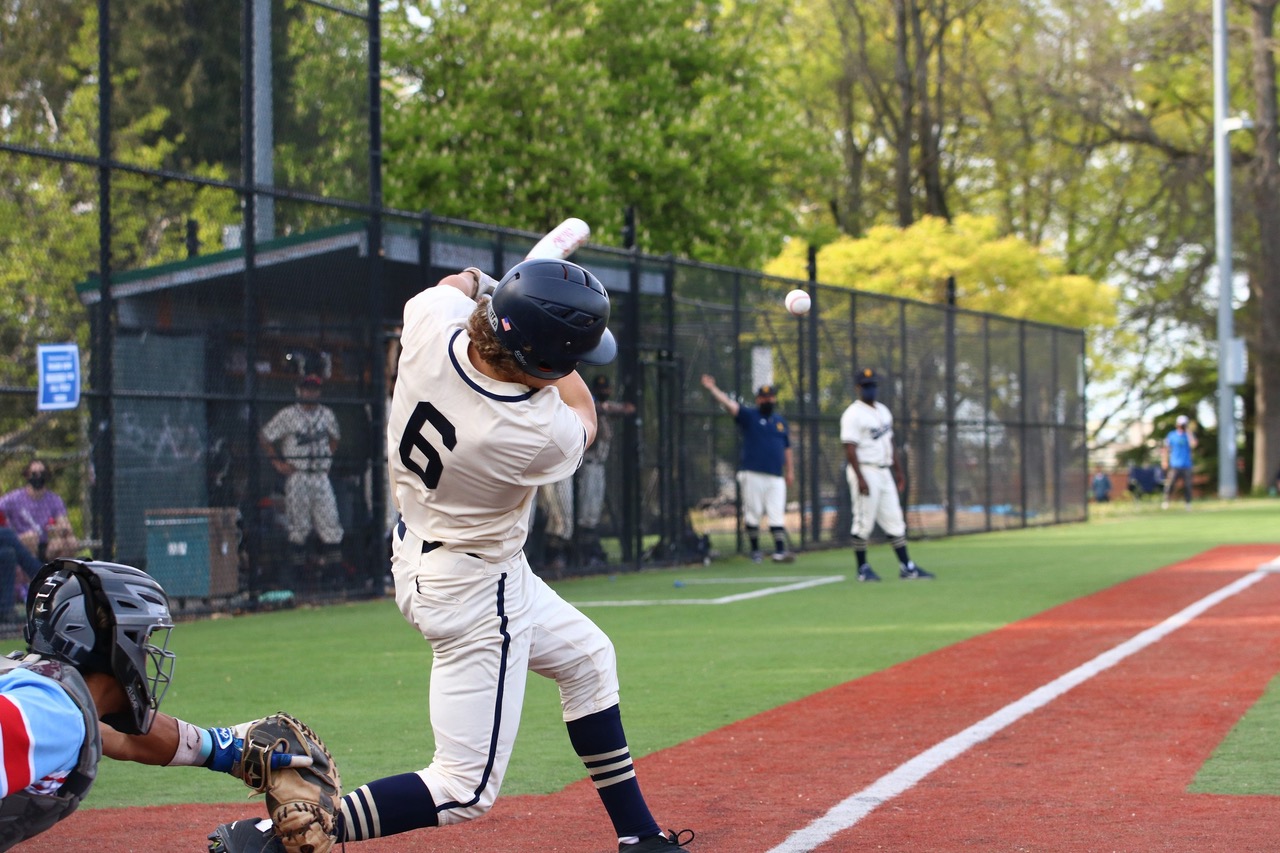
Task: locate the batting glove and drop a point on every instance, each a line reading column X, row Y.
column 228, row 751
column 485, row 283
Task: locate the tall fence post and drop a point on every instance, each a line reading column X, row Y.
column 104, row 516
column 1022, row 427
column 814, row 405
column 988, row 494
column 950, row 368
column 737, row 383
column 375, row 558
column 249, row 317
column 631, row 537
column 1056, row 408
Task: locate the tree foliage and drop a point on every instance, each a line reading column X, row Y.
column 1002, row 275
column 520, row 114
column 1069, row 141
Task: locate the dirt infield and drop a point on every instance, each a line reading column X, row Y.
column 1103, row 767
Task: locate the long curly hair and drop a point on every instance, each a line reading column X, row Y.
column 486, row 343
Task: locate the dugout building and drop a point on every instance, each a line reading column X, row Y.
column 205, row 350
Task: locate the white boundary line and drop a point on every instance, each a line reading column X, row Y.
column 800, row 583
column 846, row 814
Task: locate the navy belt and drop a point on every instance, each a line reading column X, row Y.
column 427, row 547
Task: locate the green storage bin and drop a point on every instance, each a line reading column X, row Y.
column 193, row 553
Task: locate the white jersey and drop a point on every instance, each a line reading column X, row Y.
column 466, row 453
column 870, row 427
column 306, row 431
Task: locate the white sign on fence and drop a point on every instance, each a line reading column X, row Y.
column 58, row 366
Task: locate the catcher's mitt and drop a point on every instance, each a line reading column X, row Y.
column 301, row 800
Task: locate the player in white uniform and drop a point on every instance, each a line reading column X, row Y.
column 875, row 478
column 308, row 435
column 488, row 407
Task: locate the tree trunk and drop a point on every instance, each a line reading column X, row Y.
column 1264, row 279
column 935, row 202
column 851, row 216
column 906, row 125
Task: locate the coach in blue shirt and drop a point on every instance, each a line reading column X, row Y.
column 1176, row 456
column 765, row 471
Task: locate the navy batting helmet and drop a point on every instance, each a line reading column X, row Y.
column 550, row 315
column 105, row 617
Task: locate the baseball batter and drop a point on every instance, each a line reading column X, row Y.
column 487, row 408
column 875, row 478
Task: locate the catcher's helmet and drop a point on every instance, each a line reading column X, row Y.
column 101, row 617
column 550, row 315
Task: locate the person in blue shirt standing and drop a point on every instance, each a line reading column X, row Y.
column 1176, row 458
column 766, row 469
column 1101, row 486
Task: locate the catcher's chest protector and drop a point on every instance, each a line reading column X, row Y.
column 24, row 814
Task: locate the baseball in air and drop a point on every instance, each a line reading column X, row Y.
column 797, row 302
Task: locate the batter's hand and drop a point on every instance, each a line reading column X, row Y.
column 485, row 283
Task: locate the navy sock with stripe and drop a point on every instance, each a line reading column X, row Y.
column 387, row 806
column 600, row 743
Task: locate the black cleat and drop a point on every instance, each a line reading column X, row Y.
column 654, row 844
column 245, row 836
column 911, row 572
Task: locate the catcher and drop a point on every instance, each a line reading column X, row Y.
column 90, row 684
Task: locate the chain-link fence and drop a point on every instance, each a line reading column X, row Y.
column 209, row 278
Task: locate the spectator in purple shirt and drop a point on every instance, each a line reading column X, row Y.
column 39, row 516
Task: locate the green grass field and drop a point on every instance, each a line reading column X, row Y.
column 359, row 672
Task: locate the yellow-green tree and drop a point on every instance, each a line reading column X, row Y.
column 995, row 273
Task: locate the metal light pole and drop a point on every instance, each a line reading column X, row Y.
column 1222, row 128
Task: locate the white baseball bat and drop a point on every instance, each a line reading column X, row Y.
column 562, row 241
column 558, row 243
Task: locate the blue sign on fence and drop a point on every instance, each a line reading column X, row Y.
column 59, row 369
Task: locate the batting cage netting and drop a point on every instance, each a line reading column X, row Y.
column 195, row 302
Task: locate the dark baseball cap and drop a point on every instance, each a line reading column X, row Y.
column 767, row 391
column 601, row 383
column 868, row 376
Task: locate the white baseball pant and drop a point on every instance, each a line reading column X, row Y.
column 880, row 504
column 489, row 624
column 763, row 495
column 309, row 503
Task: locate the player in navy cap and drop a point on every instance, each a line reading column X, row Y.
column 765, row 471
column 875, row 477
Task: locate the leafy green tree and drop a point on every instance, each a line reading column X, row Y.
column 52, row 208
column 521, row 116
column 993, row 273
